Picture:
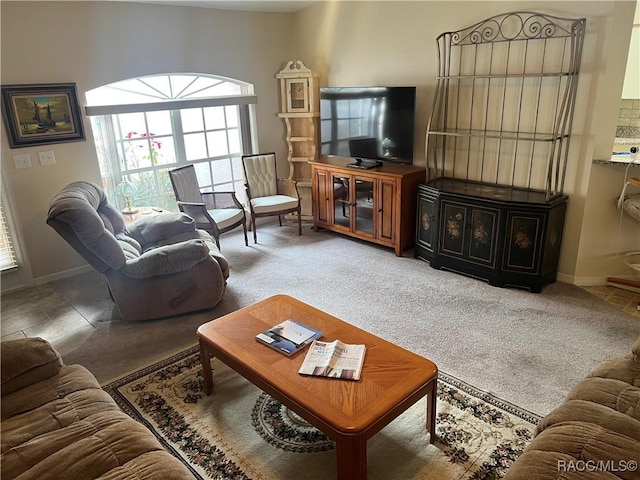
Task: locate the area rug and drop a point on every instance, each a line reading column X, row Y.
column 240, row 432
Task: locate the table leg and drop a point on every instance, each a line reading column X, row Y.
column 431, row 409
column 205, row 361
column 352, row 457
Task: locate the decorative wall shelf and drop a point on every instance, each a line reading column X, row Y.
column 300, row 110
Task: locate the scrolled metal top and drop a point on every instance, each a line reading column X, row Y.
column 517, row 26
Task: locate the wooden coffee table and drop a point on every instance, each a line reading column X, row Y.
column 349, row 412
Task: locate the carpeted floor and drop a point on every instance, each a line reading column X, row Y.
column 529, row 349
column 240, row 432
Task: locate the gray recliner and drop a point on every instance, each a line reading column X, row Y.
column 155, row 267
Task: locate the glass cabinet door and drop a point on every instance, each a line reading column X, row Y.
column 341, row 202
column 353, row 203
column 364, row 208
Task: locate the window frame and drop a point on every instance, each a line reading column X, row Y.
column 109, row 140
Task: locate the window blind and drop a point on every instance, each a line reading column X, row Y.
column 7, row 253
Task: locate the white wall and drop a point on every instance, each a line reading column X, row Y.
column 96, row 43
column 348, row 43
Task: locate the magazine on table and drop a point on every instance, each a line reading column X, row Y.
column 288, row 337
column 334, row 360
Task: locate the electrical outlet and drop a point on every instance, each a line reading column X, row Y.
column 47, row 157
column 22, row 160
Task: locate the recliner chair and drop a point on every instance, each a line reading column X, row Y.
column 155, row 267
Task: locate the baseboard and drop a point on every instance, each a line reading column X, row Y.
column 60, row 275
column 564, row 278
column 50, row 278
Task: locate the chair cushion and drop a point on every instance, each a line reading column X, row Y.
column 625, row 369
column 167, row 259
column 131, row 242
column 214, row 251
column 225, row 217
column 260, row 174
column 129, row 250
column 274, row 203
column 152, row 229
column 584, row 411
column 615, row 394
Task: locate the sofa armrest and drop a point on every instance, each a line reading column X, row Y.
column 27, row 361
column 155, row 228
column 167, row 259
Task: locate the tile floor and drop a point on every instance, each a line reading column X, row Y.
column 624, row 299
column 66, row 312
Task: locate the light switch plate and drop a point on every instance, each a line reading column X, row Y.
column 47, row 157
column 22, row 160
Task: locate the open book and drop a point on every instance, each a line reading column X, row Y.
column 289, row 336
column 334, row 360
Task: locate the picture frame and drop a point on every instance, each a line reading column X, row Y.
column 41, row 114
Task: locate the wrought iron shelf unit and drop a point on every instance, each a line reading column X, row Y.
column 504, row 75
column 525, row 136
column 497, row 146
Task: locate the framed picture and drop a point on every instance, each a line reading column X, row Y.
column 41, row 114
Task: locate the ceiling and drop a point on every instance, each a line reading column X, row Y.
column 289, row 6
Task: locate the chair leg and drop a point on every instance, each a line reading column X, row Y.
column 253, row 225
column 299, row 224
column 217, row 239
column 244, row 227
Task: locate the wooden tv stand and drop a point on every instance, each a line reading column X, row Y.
column 377, row 205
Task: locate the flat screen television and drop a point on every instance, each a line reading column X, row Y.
column 373, row 123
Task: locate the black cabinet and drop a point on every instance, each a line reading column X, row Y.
column 506, row 235
column 426, row 221
column 468, row 231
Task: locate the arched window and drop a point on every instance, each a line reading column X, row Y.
column 147, row 125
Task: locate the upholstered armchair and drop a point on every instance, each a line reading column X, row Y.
column 214, row 212
column 261, row 183
column 155, row 267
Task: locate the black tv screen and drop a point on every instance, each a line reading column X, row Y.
column 374, row 123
